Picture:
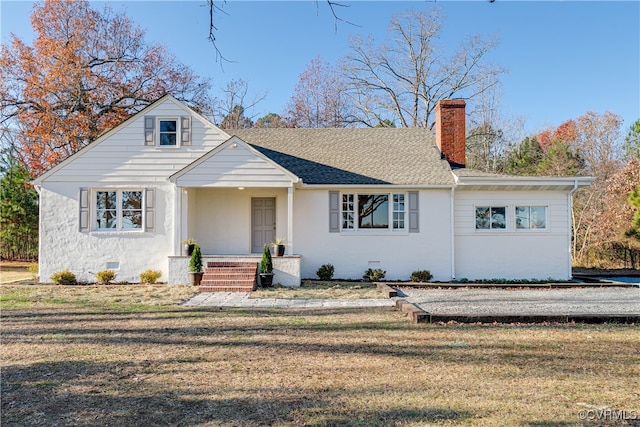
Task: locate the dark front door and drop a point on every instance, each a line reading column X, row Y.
column 263, row 222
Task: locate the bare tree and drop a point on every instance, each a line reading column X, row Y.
column 405, row 77
column 319, row 98
column 230, row 110
column 491, row 132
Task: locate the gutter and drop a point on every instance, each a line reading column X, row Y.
column 570, row 226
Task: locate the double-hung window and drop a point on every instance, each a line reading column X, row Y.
column 118, row 210
column 167, row 132
column 373, row 211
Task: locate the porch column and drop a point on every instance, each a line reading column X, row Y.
column 177, row 214
column 290, row 221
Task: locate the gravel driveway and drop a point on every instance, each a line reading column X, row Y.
column 571, row 301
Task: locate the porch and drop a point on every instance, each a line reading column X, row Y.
column 286, row 269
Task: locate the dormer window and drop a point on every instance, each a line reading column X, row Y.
column 168, row 132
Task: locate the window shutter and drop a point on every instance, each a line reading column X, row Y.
column 150, row 210
column 149, row 130
column 83, row 201
column 334, row 212
column 414, row 226
column 185, row 126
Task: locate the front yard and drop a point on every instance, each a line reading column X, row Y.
column 131, row 356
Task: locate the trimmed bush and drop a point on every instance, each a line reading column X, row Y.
column 64, row 277
column 105, row 276
column 195, row 263
column 421, row 276
column 373, row 275
column 266, row 264
column 325, row 272
column 150, row 276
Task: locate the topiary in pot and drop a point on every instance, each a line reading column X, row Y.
column 195, row 266
column 266, row 268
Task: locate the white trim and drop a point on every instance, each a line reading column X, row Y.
column 356, row 230
column 289, row 246
column 93, row 211
column 178, row 132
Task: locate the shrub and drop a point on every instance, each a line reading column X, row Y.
column 150, row 276
column 195, row 263
column 64, row 277
column 374, row 275
column 105, row 276
column 421, row 276
column 325, row 272
column 266, row 264
column 33, row 269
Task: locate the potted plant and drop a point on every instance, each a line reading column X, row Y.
column 195, row 266
column 189, row 245
column 278, row 246
column 266, row 268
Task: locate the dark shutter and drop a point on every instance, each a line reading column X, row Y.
column 83, row 201
column 150, row 210
column 414, row 225
column 334, row 212
column 149, row 130
column 185, row 127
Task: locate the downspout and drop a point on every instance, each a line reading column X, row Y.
column 453, row 237
column 39, row 191
column 570, row 227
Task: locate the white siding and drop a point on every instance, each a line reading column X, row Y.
column 350, row 253
column 234, row 167
column 63, row 246
column 123, row 157
column 511, row 253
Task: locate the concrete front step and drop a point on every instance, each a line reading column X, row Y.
column 229, row 276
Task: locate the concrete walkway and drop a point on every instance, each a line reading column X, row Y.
column 241, row 299
column 473, row 302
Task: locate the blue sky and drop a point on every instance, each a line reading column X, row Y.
column 563, row 58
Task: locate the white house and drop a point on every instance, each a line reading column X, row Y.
column 395, row 199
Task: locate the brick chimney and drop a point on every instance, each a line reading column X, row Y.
column 450, row 130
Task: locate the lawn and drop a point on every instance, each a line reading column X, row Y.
column 128, row 356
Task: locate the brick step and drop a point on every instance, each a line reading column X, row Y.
column 226, row 288
column 229, row 276
column 227, row 264
column 233, row 282
column 229, row 270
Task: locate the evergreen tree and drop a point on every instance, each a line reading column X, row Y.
column 18, row 213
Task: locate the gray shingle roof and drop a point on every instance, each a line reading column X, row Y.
column 404, row 156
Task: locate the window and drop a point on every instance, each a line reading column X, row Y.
column 348, row 212
column 491, row 218
column 398, row 211
column 373, row 211
column 168, row 132
column 531, row 217
column 118, row 210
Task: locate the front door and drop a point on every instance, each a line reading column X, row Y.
column 263, row 222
